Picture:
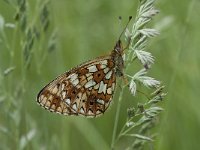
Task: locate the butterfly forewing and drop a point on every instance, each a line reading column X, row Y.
column 85, row 90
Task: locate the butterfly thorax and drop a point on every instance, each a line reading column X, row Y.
column 117, row 54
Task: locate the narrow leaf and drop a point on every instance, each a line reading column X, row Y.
column 142, row 137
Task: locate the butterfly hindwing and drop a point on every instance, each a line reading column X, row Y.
column 85, row 90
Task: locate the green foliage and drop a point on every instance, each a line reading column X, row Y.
column 20, row 39
column 142, row 119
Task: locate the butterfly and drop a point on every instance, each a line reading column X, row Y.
column 85, row 90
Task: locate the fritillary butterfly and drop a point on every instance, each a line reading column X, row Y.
column 87, row 89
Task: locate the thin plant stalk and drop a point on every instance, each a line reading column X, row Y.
column 117, row 118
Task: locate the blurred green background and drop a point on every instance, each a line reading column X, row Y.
column 85, row 30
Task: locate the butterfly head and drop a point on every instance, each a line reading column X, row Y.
column 118, row 47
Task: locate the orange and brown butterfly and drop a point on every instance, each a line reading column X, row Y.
column 87, row 89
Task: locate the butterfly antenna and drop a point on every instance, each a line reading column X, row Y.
column 130, row 17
